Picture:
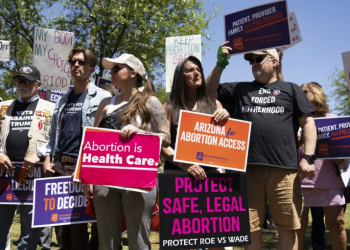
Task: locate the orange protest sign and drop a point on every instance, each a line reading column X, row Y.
column 200, row 140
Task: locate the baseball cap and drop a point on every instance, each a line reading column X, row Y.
column 29, row 72
column 128, row 59
column 271, row 52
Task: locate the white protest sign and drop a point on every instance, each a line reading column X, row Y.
column 346, row 62
column 4, row 51
column 50, row 53
column 178, row 48
column 294, row 32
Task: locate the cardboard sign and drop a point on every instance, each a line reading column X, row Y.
column 201, row 140
column 294, row 32
column 16, row 187
column 4, row 51
column 59, row 201
column 202, row 214
column 107, row 159
column 50, row 53
column 333, row 137
column 257, row 28
column 178, row 48
column 346, row 62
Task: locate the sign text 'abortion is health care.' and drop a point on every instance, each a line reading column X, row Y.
column 16, row 187
column 178, row 48
column 4, row 51
column 257, row 28
column 50, row 54
column 59, row 201
column 333, row 137
column 212, row 212
column 107, row 159
column 346, row 62
column 201, row 140
column 294, row 32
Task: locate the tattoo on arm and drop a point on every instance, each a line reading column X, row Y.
column 159, row 121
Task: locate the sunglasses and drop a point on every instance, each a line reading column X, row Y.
column 307, row 92
column 24, row 81
column 118, row 67
column 259, row 59
column 80, row 62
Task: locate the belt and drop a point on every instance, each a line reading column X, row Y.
column 65, row 159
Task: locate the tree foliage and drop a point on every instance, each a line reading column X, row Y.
column 108, row 27
column 341, row 93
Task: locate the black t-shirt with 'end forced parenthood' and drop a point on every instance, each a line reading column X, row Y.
column 274, row 110
column 71, row 125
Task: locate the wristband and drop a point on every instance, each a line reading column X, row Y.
column 222, row 59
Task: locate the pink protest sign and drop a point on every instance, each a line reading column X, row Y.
column 107, row 159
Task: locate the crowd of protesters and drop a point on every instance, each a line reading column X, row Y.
column 275, row 174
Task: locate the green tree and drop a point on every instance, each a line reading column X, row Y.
column 17, row 22
column 341, row 93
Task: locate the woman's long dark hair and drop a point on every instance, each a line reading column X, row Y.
column 178, row 95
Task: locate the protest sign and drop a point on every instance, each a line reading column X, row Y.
column 107, row 159
column 54, row 95
column 178, row 48
column 16, row 187
column 202, row 214
column 59, row 201
column 201, row 140
column 4, row 51
column 102, row 80
column 346, row 62
column 294, row 32
column 257, row 28
column 333, row 137
column 50, row 53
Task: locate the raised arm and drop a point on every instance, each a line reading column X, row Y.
column 213, row 79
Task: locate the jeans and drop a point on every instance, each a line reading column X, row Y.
column 317, row 229
column 29, row 236
column 46, row 237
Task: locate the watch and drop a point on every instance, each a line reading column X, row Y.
column 312, row 158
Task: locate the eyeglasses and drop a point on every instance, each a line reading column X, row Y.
column 118, row 67
column 24, row 81
column 191, row 70
column 80, row 62
column 258, row 59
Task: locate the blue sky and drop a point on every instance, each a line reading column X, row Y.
column 325, row 32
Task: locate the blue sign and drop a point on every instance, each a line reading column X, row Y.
column 59, row 201
column 333, row 137
column 257, row 28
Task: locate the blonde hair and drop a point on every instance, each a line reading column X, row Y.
column 320, row 98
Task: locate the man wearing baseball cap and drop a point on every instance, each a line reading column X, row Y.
column 276, row 109
column 25, row 124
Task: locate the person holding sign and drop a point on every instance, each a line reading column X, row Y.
column 135, row 110
column 188, row 93
column 24, row 133
column 73, row 111
column 326, row 189
column 276, row 109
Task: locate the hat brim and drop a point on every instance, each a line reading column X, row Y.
column 249, row 56
column 28, row 77
column 108, row 63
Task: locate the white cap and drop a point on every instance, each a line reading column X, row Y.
column 128, row 59
column 271, row 52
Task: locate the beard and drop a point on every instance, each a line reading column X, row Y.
column 257, row 73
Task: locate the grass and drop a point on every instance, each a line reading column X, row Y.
column 270, row 240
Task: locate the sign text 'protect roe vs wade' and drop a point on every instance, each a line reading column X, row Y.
column 212, row 212
column 178, row 48
column 50, row 54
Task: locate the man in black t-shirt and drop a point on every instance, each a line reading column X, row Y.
column 276, row 109
column 25, row 124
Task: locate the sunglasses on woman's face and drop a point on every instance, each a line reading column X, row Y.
column 118, row 67
column 258, row 59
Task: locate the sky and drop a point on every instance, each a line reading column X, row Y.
column 325, row 32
